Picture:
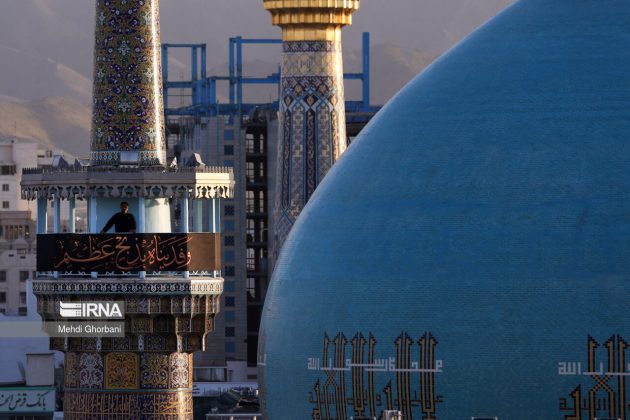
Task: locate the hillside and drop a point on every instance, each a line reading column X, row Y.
column 55, row 123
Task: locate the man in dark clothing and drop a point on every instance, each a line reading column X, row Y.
column 123, row 221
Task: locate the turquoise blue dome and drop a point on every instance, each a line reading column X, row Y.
column 469, row 255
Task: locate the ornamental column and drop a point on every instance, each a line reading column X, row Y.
column 312, row 121
column 128, row 113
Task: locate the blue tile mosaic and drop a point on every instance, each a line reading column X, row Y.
column 312, row 125
column 468, row 256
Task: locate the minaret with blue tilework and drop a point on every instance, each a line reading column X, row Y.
column 312, row 126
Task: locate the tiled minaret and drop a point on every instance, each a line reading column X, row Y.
column 170, row 300
column 312, row 108
column 128, row 112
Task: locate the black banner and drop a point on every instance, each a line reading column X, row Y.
column 128, row 252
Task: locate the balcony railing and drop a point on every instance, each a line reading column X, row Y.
column 100, row 169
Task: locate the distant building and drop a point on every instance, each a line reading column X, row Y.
column 17, row 265
column 17, row 227
column 16, row 155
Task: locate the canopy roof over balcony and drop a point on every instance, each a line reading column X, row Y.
column 80, row 183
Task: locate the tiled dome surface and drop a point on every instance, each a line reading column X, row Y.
column 483, row 215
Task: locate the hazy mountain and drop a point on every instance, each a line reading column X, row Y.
column 46, row 51
column 31, row 77
column 56, row 123
column 61, row 30
column 391, row 68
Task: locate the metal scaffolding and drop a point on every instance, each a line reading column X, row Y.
column 203, row 88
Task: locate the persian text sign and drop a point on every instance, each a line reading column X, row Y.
column 27, row 400
column 128, row 252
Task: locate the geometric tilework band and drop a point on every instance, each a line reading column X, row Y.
column 312, row 129
column 128, row 371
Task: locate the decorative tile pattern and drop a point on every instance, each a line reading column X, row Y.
column 176, row 305
column 183, row 325
column 131, row 305
column 71, row 370
column 88, row 343
column 128, row 107
column 121, row 371
column 122, row 286
column 296, row 179
column 143, row 306
column 91, row 370
column 161, row 185
column 312, row 125
column 122, row 343
column 154, row 304
column 154, row 343
column 181, row 372
column 160, row 343
column 176, row 405
column 141, row 325
column 311, row 46
column 327, row 142
column 154, row 369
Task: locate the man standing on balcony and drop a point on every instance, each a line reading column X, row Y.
column 123, row 221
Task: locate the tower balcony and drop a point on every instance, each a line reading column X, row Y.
column 170, row 282
column 127, row 182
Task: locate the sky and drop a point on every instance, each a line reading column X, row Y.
column 62, row 29
column 427, row 25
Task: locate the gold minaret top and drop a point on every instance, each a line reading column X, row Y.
column 311, row 20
